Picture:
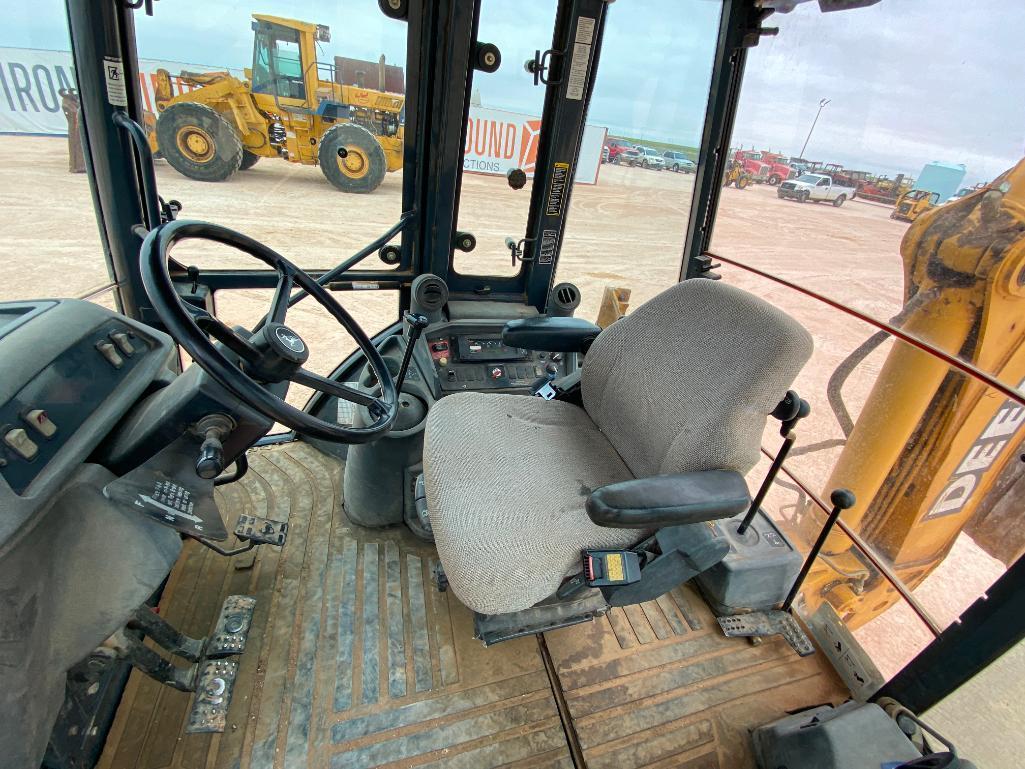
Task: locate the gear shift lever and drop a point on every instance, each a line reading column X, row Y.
column 416, row 323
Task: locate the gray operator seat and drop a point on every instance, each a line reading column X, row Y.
column 684, row 382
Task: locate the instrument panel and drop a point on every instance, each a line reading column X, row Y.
column 474, row 357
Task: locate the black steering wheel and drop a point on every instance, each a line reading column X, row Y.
column 274, row 353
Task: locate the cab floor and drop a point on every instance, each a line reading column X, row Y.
column 356, row 660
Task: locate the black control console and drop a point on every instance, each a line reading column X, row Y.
column 474, row 357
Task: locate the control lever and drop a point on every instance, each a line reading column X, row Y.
column 214, row 428
column 417, row 323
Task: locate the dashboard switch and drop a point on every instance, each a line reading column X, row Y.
column 497, row 373
column 18, row 440
column 108, row 351
column 123, row 342
column 41, row 423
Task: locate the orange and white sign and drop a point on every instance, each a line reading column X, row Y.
column 497, row 141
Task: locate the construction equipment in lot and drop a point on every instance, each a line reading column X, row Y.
column 736, row 175
column 283, row 109
column 913, row 204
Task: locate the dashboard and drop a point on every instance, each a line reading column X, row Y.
column 470, row 355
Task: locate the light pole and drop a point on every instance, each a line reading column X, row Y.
column 822, row 103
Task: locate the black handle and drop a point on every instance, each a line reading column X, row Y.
column 211, row 458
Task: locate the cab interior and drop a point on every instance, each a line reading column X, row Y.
column 497, row 534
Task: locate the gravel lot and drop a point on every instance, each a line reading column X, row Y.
column 625, row 231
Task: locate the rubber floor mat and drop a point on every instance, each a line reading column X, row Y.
column 354, row 660
column 659, row 685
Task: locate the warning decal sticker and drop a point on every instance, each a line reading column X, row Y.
column 576, row 83
column 114, row 71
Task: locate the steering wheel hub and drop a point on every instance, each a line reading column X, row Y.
column 282, row 353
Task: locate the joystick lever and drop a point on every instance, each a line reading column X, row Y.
column 214, row 428
column 416, row 323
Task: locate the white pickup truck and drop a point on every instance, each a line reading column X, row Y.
column 815, row 187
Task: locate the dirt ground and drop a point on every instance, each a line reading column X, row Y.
column 625, row 231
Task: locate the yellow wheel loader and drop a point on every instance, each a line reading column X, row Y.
column 736, row 175
column 283, row 109
column 913, row 204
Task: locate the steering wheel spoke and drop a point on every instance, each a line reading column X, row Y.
column 226, row 336
column 339, row 390
column 282, row 294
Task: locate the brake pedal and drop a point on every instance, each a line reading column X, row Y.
column 214, row 688
column 768, row 623
column 261, row 531
column 232, row 629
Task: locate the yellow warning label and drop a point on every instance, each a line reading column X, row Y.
column 614, row 566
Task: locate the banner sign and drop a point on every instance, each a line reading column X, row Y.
column 31, row 81
column 497, row 141
column 30, row 103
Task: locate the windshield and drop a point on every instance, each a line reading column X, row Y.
column 810, row 178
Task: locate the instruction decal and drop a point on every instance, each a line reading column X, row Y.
column 557, row 192
column 114, row 72
column 576, row 83
column 548, row 240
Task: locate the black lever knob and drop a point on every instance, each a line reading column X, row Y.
column 211, row 458
column 214, row 428
column 415, row 320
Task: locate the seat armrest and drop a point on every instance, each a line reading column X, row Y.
column 669, row 500
column 551, row 334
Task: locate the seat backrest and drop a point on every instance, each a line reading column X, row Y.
column 686, row 381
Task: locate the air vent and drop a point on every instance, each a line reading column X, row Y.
column 429, row 294
column 565, row 298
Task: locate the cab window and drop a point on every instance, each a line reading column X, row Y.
column 277, row 63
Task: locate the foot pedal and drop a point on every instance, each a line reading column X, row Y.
column 232, row 628
column 214, row 687
column 261, row 531
column 768, row 623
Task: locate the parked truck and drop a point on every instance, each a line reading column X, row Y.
column 816, row 188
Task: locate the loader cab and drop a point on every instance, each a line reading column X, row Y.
column 512, row 458
column 277, row 61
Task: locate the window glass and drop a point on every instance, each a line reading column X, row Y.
column 625, row 232
column 502, row 133
column 43, row 184
column 946, row 148
column 249, row 111
column 879, row 196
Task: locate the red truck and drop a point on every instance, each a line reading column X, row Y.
column 765, row 166
column 617, row 147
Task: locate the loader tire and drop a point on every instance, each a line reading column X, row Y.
column 198, row 142
column 249, row 159
column 363, row 166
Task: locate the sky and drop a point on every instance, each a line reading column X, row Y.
column 909, row 81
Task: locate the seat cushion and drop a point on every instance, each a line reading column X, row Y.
column 507, row 477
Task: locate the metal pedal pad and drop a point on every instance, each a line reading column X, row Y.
column 262, row 531
column 768, row 623
column 232, row 628
column 214, row 686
